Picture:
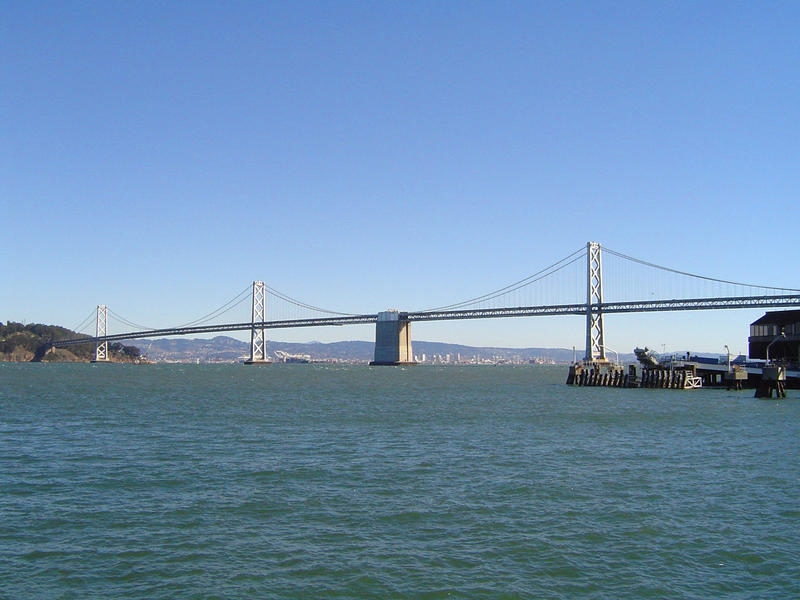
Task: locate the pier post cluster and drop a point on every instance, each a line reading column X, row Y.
column 673, row 379
column 773, row 378
column 597, row 376
column 613, row 376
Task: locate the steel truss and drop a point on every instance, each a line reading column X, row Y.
column 101, row 341
column 258, row 337
column 595, row 344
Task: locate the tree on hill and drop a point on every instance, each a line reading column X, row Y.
column 32, row 342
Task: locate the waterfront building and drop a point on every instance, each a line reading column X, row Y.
column 780, row 330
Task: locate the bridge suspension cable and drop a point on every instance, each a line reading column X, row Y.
column 675, row 293
column 704, row 278
column 512, row 287
column 228, row 306
column 298, row 303
column 90, row 318
column 234, row 302
column 125, row 321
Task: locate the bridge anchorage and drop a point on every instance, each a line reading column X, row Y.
column 393, row 339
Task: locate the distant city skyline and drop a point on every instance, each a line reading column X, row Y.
column 159, row 158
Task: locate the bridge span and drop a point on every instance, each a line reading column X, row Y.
column 393, row 329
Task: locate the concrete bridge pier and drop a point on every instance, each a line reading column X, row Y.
column 393, row 339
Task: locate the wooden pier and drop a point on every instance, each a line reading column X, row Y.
column 685, row 374
column 596, row 375
column 616, row 376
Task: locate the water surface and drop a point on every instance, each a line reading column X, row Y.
column 313, row 481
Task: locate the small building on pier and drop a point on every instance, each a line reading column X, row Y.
column 780, row 330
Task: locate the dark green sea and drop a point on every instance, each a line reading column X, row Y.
column 312, row 481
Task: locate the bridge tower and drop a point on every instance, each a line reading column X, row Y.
column 595, row 343
column 101, row 348
column 258, row 337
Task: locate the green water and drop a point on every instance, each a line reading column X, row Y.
column 310, row 481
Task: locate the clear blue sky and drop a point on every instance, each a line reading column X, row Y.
column 157, row 157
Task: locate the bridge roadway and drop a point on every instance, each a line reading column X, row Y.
column 481, row 313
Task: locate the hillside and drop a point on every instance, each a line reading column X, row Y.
column 31, row 343
column 228, row 349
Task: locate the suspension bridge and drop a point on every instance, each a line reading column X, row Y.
column 574, row 285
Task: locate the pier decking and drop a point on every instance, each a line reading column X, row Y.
column 687, row 373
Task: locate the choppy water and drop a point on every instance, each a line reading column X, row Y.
column 306, row 481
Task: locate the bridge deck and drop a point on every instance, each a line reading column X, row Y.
column 725, row 303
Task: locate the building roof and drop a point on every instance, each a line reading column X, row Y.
column 779, row 317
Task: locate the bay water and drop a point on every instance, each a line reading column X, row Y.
column 324, row 481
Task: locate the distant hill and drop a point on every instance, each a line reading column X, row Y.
column 224, row 348
column 32, row 343
column 25, row 343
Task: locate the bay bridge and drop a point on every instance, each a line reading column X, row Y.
column 574, row 285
